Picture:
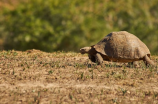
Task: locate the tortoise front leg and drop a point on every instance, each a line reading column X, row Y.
column 99, row 59
column 147, row 61
column 92, row 58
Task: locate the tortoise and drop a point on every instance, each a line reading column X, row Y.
column 120, row 46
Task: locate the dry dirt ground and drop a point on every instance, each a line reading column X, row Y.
column 35, row 77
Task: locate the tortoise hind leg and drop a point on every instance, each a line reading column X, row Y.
column 147, row 61
column 99, row 59
column 134, row 63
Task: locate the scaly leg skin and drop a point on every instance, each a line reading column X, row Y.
column 147, row 61
column 99, row 59
column 92, row 58
column 134, row 63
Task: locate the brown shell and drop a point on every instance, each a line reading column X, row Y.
column 122, row 45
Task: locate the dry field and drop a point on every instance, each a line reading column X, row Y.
column 35, row 77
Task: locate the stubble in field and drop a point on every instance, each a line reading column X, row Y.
column 39, row 77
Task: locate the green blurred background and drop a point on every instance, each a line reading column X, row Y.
column 68, row 25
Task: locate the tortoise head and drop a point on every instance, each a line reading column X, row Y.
column 85, row 50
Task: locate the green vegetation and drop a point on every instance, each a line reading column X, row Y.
column 68, row 25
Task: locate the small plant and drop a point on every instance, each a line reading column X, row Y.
column 78, row 65
column 107, row 75
column 13, row 72
column 137, row 71
column 22, row 64
column 51, row 102
column 41, row 62
column 35, row 58
column 79, row 91
column 124, row 66
column 155, row 94
column 27, row 65
column 114, row 65
column 87, row 76
column 124, row 71
column 112, row 73
column 38, row 93
column 8, row 52
column 102, row 91
column 82, row 75
column 123, row 91
column 119, row 76
column 150, row 68
column 15, row 53
column 107, row 65
column 45, row 64
column 91, row 72
column 89, row 65
column 50, row 72
column 37, row 98
column 115, row 101
column 70, row 96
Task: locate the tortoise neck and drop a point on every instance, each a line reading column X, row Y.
column 92, row 51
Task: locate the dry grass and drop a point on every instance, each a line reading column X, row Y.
column 35, row 77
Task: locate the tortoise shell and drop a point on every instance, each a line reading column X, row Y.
column 122, row 45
